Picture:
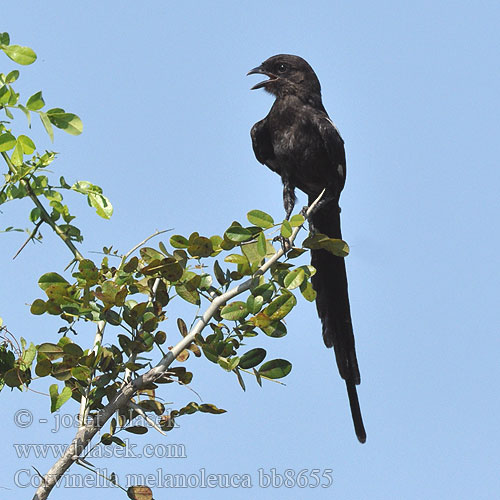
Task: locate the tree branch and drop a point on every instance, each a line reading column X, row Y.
column 121, row 400
column 43, row 213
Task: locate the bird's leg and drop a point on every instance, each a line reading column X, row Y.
column 288, row 202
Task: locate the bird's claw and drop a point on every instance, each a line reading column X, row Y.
column 285, row 243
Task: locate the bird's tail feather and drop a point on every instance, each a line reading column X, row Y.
column 332, row 302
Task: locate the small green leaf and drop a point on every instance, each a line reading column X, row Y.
column 261, row 244
column 280, row 306
column 7, row 141
column 56, row 399
column 48, row 126
column 12, row 76
column 200, row 247
column 307, row 290
column 35, row 102
column 49, row 279
column 297, row 220
column 254, row 304
column 276, row 329
column 20, row 55
column 4, row 38
column 68, row 122
column 209, row 408
column 38, row 307
column 252, row 358
column 17, row 155
column 335, row 246
column 26, row 111
column 191, row 296
column 294, row 278
column 51, row 351
column 136, row 429
column 102, row 205
column 236, row 259
column 286, row 229
column 43, row 367
column 260, row 219
column 178, row 241
column 27, row 144
column 277, row 368
column 234, row 311
column 238, row 234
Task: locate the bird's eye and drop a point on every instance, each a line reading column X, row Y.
column 282, row 68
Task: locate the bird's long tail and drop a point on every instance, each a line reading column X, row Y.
column 332, row 302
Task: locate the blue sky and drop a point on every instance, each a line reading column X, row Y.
column 167, row 110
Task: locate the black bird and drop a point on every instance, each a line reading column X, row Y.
column 299, row 142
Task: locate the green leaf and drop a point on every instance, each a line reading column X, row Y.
column 209, row 408
column 102, row 205
column 276, row 329
column 277, row 368
column 5, row 94
column 136, row 429
column 73, row 350
column 297, row 220
column 252, row 253
column 234, row 311
column 48, row 126
column 307, row 290
column 252, row 358
column 17, row 155
column 260, row 219
column 4, row 38
column 294, row 278
column 38, row 307
column 12, row 76
column 191, row 296
column 238, row 234
column 200, row 247
column 43, row 367
column 56, row 399
column 51, row 351
column 219, row 274
column 7, row 141
column 20, row 55
column 27, row 144
column 280, row 306
column 254, row 304
column 335, row 246
column 82, row 373
column 236, row 258
column 262, row 244
column 178, row 241
column 286, row 229
column 26, row 111
column 49, row 279
column 35, row 102
column 29, row 355
column 68, row 122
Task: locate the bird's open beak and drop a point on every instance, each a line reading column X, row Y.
column 260, row 71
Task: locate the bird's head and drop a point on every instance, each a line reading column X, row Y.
column 288, row 75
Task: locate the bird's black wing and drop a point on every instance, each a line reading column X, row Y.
column 262, row 144
column 334, row 145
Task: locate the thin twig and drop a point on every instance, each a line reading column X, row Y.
column 44, row 215
column 31, row 237
column 141, row 412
